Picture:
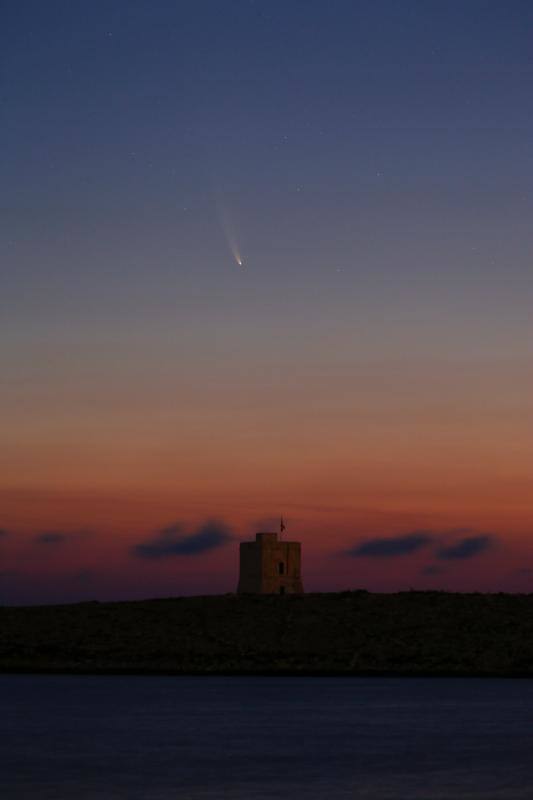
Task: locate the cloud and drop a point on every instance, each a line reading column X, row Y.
column 3, row 533
column 523, row 572
column 172, row 541
column 59, row 537
column 469, row 547
column 433, row 569
column 51, row 537
column 393, row 546
column 452, row 545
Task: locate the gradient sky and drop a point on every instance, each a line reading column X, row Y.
column 367, row 372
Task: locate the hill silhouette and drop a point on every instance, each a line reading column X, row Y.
column 346, row 633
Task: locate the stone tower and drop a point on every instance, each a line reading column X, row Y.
column 270, row 566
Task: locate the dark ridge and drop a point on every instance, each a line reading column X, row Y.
column 347, row 633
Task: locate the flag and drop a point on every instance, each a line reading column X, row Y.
column 281, row 525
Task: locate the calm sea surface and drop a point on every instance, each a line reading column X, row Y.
column 153, row 738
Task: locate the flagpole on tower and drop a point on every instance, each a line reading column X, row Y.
column 281, row 526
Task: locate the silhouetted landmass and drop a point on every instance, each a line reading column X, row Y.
column 347, row 633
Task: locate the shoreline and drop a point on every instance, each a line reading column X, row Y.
column 132, row 673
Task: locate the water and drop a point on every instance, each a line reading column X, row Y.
column 150, row 738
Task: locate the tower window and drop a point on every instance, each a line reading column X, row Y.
column 281, row 568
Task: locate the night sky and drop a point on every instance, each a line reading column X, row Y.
column 263, row 258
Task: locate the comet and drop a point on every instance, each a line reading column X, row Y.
column 229, row 230
column 232, row 244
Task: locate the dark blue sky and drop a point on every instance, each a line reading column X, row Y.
column 338, row 142
column 137, row 103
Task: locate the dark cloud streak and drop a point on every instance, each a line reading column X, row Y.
column 433, row 569
column 51, row 537
column 453, row 545
column 470, row 547
column 392, row 547
column 172, row 541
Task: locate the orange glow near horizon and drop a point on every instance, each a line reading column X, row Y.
column 376, row 454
